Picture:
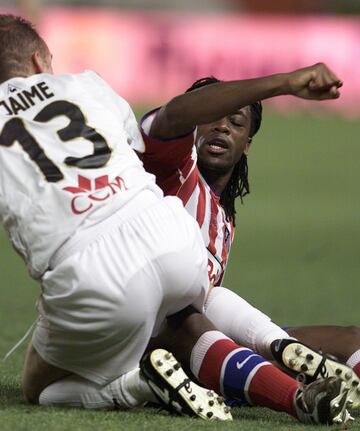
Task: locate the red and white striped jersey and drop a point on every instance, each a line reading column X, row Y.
column 174, row 163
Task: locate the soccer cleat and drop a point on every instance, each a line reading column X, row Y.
column 176, row 392
column 297, row 358
column 324, row 401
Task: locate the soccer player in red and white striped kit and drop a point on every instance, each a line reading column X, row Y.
column 197, row 146
column 69, row 361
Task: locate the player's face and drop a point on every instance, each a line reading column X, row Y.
column 220, row 144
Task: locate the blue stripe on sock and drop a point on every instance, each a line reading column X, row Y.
column 237, row 370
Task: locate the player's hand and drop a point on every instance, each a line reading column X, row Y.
column 315, row 82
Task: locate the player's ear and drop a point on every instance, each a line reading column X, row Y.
column 248, row 145
column 40, row 64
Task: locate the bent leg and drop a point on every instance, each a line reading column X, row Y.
column 38, row 374
column 242, row 322
column 44, row 384
column 207, row 352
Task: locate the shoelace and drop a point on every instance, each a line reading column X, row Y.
column 21, row 341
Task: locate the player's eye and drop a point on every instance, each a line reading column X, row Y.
column 237, row 120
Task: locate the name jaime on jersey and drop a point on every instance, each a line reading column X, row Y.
column 22, row 100
column 90, row 192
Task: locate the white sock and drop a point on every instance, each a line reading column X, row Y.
column 128, row 391
column 242, row 322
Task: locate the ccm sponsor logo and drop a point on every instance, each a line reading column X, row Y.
column 89, row 192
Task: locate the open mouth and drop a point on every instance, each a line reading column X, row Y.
column 217, row 146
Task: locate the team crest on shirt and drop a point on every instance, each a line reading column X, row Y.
column 91, row 191
column 12, row 88
column 215, row 269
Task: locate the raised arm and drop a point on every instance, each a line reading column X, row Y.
column 212, row 102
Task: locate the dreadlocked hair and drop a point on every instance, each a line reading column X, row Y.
column 238, row 184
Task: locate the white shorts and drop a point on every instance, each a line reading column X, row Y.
column 101, row 303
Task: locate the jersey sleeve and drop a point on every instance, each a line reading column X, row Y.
column 170, row 160
column 130, row 124
column 134, row 135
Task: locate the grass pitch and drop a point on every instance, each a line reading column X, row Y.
column 296, row 256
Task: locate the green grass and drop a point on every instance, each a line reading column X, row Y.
column 296, row 256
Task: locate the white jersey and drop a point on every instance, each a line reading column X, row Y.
column 65, row 160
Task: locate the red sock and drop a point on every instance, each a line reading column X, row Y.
column 238, row 372
column 357, row 369
column 272, row 388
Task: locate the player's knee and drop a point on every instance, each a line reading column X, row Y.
column 30, row 397
column 27, row 386
column 346, row 341
column 37, row 375
column 30, row 394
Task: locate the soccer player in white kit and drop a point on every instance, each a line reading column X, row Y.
column 113, row 256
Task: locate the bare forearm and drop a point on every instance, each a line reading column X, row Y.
column 204, row 105
column 212, row 102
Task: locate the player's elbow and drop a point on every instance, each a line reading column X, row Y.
column 176, row 116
